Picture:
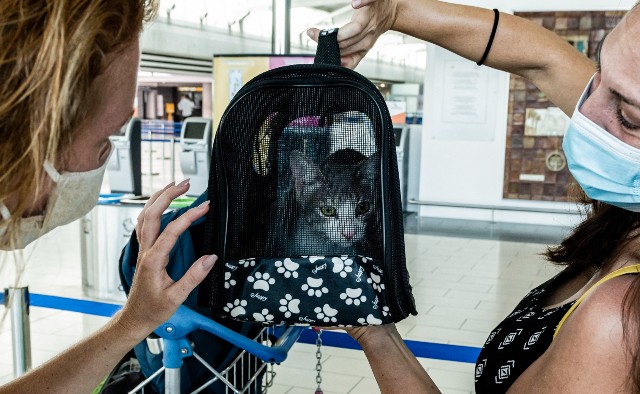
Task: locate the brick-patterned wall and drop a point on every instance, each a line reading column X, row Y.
column 527, row 154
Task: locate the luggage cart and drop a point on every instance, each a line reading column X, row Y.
column 175, row 346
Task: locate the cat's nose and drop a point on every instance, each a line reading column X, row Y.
column 348, row 234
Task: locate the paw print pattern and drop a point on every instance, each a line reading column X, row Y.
column 287, row 268
column 236, row 308
column 289, row 306
column 314, row 287
column 228, row 282
column 327, row 314
column 342, row 265
column 263, row 316
column 370, row 320
column 247, row 263
column 385, row 311
column 374, row 280
column 353, row 296
column 262, row 281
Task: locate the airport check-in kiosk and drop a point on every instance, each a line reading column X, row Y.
column 124, row 168
column 402, row 152
column 195, row 140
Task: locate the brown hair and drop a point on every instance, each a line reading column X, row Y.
column 51, row 53
column 598, row 239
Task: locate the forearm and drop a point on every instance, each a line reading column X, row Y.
column 395, row 368
column 82, row 367
column 520, row 46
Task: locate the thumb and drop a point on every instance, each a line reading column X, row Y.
column 194, row 276
column 313, row 33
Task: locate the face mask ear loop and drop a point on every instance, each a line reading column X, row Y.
column 51, row 171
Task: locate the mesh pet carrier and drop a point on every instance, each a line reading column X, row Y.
column 306, row 213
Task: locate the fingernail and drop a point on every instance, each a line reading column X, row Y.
column 204, row 204
column 209, row 261
column 356, row 3
column 183, row 183
column 310, row 33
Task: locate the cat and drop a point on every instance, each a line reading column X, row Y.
column 330, row 207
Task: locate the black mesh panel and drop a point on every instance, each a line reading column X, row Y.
column 302, row 164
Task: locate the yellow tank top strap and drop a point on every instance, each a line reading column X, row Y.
column 632, row 269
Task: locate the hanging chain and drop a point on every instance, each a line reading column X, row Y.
column 318, row 360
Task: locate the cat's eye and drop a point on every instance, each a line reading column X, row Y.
column 328, row 211
column 362, row 208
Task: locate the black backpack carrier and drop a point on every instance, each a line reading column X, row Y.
column 306, row 215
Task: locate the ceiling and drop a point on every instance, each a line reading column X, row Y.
column 254, row 17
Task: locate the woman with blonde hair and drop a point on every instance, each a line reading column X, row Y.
column 578, row 332
column 69, row 70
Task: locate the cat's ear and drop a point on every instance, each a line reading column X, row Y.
column 370, row 167
column 306, row 175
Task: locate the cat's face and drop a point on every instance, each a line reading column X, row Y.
column 336, row 198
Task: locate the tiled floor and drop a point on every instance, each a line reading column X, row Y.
column 463, row 288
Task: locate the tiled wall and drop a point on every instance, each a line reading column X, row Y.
column 528, row 154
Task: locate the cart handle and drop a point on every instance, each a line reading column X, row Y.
column 185, row 321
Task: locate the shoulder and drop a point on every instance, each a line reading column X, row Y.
column 599, row 319
column 590, row 352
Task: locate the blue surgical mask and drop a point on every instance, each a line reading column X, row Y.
column 606, row 168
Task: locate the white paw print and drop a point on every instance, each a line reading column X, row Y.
column 370, row 320
column 374, row 281
column 327, row 314
column 385, row 311
column 237, row 308
column 353, row 296
column 263, row 316
column 312, row 287
column 228, row 282
column 288, row 268
column 342, row 265
column 288, row 305
column 262, row 281
column 246, row 263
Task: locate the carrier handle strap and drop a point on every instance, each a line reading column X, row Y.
column 328, row 51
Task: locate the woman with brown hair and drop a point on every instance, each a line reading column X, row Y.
column 580, row 331
column 69, row 70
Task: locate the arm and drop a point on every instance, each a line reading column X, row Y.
column 395, row 368
column 154, row 297
column 520, row 46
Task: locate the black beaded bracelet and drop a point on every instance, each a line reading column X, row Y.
column 493, row 35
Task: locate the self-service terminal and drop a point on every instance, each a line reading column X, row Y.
column 195, row 140
column 402, row 152
column 124, row 167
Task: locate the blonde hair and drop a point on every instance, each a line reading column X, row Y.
column 51, row 53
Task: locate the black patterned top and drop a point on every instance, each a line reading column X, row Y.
column 518, row 341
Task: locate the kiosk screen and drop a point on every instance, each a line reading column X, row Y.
column 195, row 130
column 398, row 132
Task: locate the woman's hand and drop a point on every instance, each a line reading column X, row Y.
column 154, row 296
column 369, row 21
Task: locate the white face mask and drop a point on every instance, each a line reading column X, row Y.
column 73, row 196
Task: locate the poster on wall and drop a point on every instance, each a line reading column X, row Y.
column 465, row 90
column 465, row 104
column 231, row 72
column 235, row 82
column 545, row 122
